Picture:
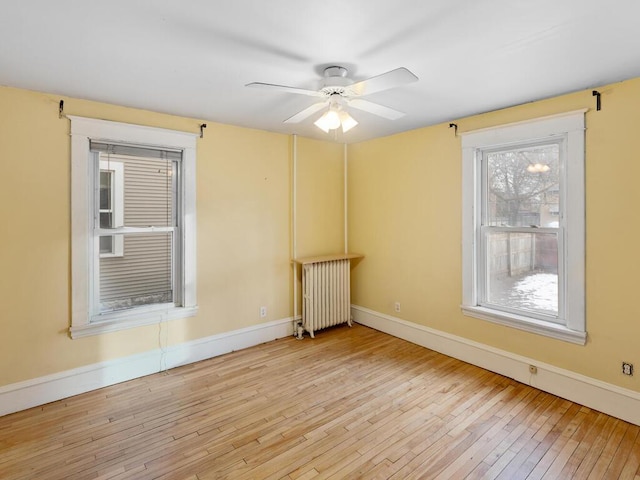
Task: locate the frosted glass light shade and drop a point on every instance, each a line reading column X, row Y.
column 330, row 120
column 347, row 121
column 333, row 119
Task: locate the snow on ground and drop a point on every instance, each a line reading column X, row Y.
column 536, row 291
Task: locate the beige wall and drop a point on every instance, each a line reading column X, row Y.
column 243, row 220
column 320, row 198
column 405, row 216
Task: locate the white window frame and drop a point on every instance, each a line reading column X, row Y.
column 117, row 204
column 571, row 324
column 83, row 130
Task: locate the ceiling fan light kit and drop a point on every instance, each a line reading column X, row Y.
column 339, row 91
column 336, row 116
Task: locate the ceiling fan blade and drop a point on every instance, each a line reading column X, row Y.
column 284, row 88
column 394, row 78
column 376, row 109
column 307, row 112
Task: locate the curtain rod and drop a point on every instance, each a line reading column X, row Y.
column 61, row 115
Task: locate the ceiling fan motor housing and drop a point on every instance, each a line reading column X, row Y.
column 335, row 79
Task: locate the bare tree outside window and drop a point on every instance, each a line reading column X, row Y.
column 524, row 187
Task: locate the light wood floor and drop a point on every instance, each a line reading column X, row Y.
column 353, row 403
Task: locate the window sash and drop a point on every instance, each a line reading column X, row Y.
column 484, row 229
column 98, row 314
column 484, row 272
column 481, row 156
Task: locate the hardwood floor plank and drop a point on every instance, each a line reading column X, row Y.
column 593, row 424
column 594, row 445
column 621, row 456
column 527, row 442
column 604, row 460
column 539, row 461
column 632, row 463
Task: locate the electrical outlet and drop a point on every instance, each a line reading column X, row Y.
column 396, row 307
column 533, row 369
column 627, row 368
column 263, row 312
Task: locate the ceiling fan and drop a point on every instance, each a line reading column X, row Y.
column 339, row 91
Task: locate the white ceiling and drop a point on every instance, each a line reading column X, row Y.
column 193, row 57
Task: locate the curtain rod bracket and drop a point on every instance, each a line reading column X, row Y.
column 597, row 94
column 455, row 128
column 61, row 109
column 202, row 127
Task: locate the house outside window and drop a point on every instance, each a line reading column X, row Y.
column 523, row 226
column 133, row 226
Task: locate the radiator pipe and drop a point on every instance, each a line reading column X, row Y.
column 294, row 202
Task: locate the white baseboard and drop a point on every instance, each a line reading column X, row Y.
column 605, row 397
column 38, row 391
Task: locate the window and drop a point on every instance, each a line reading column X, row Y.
column 523, row 226
column 133, row 226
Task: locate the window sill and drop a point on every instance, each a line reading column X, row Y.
column 559, row 332
column 124, row 322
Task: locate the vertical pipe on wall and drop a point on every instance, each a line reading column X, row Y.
column 294, row 192
column 346, row 234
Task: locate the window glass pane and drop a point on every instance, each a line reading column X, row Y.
column 523, row 186
column 105, row 190
column 106, row 220
column 522, row 271
column 142, row 276
column 106, row 244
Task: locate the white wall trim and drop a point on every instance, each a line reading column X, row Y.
column 602, row 396
column 560, row 117
column 38, row 391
